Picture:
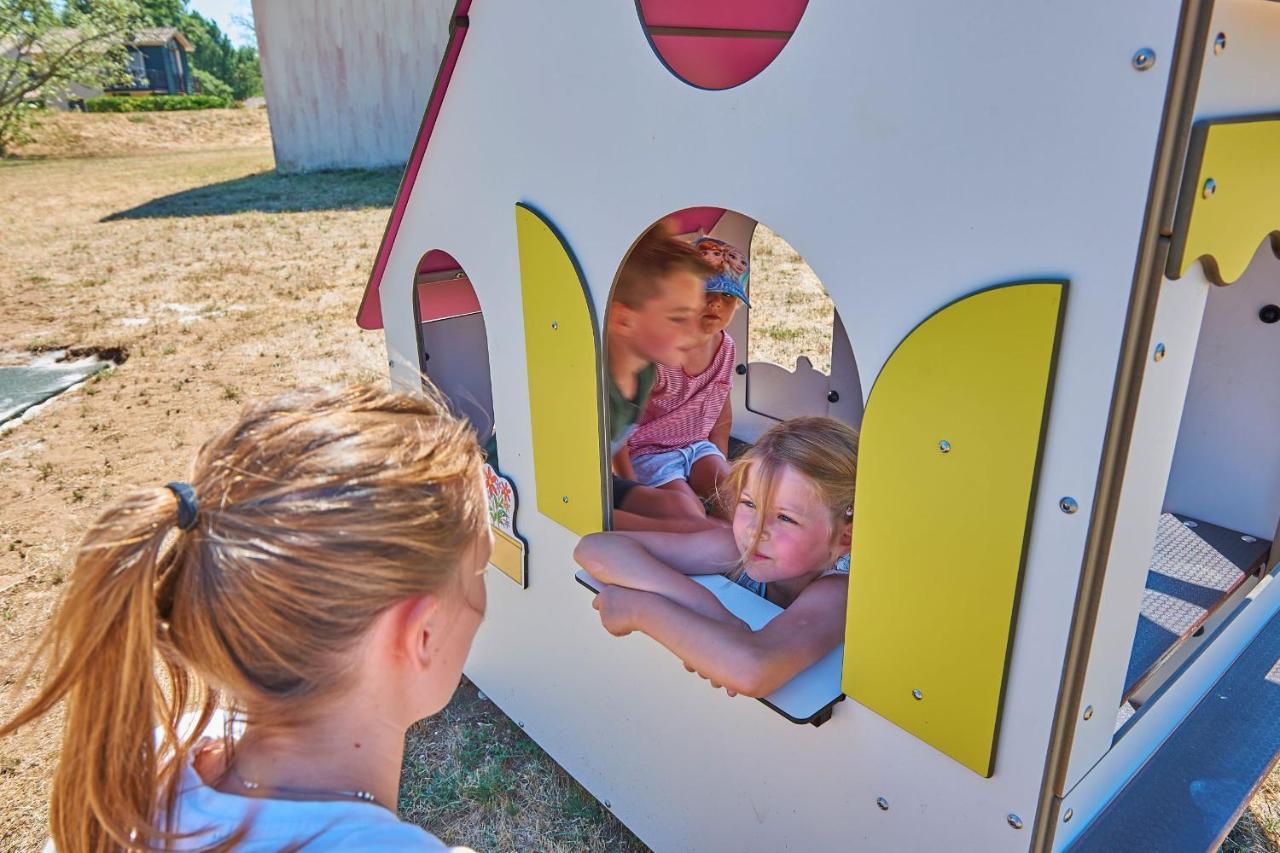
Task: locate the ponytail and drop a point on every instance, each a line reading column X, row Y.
column 99, row 655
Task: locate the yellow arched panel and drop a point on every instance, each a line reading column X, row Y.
column 564, row 378
column 1230, row 199
column 946, row 470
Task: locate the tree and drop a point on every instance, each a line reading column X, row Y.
column 43, row 50
column 215, row 54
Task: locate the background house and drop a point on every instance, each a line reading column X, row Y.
column 159, row 64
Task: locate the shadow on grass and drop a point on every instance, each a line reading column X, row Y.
column 271, row 192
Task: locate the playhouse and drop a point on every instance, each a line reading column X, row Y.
column 1050, row 235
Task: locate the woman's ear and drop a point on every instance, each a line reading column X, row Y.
column 413, row 624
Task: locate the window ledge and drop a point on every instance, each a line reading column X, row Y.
column 807, row 698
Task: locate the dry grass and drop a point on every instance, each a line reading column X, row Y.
column 791, row 314
column 226, row 282
column 61, row 134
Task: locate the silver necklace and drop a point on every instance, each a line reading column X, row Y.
column 362, row 796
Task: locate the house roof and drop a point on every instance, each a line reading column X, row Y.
column 158, row 37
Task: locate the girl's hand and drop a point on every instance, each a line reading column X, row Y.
column 617, row 609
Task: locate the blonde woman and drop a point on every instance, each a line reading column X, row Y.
column 791, row 499
column 316, row 587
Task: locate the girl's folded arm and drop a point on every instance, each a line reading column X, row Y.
column 751, row 663
column 621, row 561
column 706, row 552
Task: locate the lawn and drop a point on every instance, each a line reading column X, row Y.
column 222, row 281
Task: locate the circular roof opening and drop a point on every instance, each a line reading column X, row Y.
column 719, row 44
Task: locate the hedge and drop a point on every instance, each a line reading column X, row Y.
column 155, row 103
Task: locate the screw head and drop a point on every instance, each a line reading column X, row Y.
column 882, row 803
column 1067, row 815
column 554, row 325
column 1144, row 59
column 1269, row 314
column 1068, row 505
column 564, row 498
column 1219, row 44
column 1014, row 821
column 608, row 805
column 1158, row 355
column 833, row 396
column 1190, row 524
column 917, row 695
column 1210, row 187
column 1088, row 712
column 741, row 370
column 1248, row 538
column 944, row 446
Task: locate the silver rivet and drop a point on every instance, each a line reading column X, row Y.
column 1088, row 712
column 944, row 446
column 1219, row 44
column 917, row 695
column 1210, row 187
column 1190, row 524
column 1067, row 815
column 608, row 805
column 520, row 723
column 1159, row 353
column 1068, row 505
column 1144, row 59
column 1248, row 538
column 1014, row 821
column 554, row 325
column 882, row 803
column 564, row 498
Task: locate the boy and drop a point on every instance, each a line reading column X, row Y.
column 682, row 441
column 653, row 317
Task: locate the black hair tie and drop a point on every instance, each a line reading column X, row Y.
column 188, row 506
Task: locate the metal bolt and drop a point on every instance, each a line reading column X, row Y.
column 1144, row 59
column 1269, row 314
column 1068, row 505
column 882, row 803
column 917, row 695
column 1067, row 815
column 1210, row 187
column 1248, row 538
column 608, row 805
column 564, row 498
column 1088, row 712
column 1219, row 44
column 944, row 446
column 1159, row 353
column 520, row 723
column 1014, row 821
column 833, row 396
column 554, row 325
column 741, row 370
column 1190, row 525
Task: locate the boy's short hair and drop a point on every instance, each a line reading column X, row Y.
column 656, row 255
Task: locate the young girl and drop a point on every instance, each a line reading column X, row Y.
column 792, row 523
column 319, row 580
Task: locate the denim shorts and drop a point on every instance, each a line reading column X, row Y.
column 658, row 469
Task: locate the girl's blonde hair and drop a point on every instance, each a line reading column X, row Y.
column 317, row 511
column 822, row 450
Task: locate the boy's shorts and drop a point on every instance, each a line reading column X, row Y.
column 658, row 469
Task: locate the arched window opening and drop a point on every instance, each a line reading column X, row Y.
column 453, row 350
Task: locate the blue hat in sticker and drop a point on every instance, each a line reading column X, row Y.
column 733, row 270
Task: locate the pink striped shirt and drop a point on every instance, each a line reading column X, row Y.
column 682, row 409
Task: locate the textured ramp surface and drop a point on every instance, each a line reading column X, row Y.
column 1192, row 570
column 1191, row 791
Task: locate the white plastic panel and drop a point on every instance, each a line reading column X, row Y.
column 911, row 155
column 1227, row 466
